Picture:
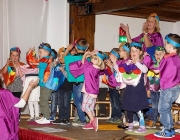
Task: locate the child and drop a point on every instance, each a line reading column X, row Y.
column 132, row 74
column 154, row 87
column 64, row 92
column 169, row 82
column 114, row 86
column 91, row 71
column 80, row 46
column 44, row 65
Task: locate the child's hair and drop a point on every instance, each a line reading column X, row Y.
column 54, row 54
column 1, row 83
column 100, row 60
column 17, row 49
column 116, row 50
column 126, row 48
column 47, row 45
column 128, row 137
column 176, row 39
column 81, row 44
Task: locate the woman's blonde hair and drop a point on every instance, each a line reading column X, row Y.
column 157, row 28
column 100, row 61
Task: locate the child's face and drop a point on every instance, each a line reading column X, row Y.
column 135, row 53
column 73, row 51
column 43, row 53
column 14, row 56
column 94, row 60
column 167, row 47
column 159, row 55
column 61, row 57
column 112, row 57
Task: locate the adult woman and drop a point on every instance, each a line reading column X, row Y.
column 9, row 116
column 150, row 35
column 12, row 73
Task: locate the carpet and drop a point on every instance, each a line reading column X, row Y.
column 108, row 127
column 148, row 131
column 152, row 137
column 35, row 123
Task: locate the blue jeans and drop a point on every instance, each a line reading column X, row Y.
column 54, row 103
column 154, row 102
column 115, row 100
column 78, row 98
column 64, row 99
column 167, row 97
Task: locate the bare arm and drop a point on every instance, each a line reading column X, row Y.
column 126, row 28
column 147, row 41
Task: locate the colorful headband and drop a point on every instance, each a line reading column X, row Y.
column 42, row 46
column 136, row 44
column 125, row 47
column 53, row 55
column 115, row 53
column 15, row 49
column 172, row 42
column 81, row 48
column 155, row 15
column 159, row 48
column 100, row 55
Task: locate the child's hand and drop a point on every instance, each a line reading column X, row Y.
column 156, row 71
column 61, row 69
column 69, row 47
column 108, row 63
column 33, row 83
column 8, row 61
column 125, row 27
column 114, row 60
column 134, row 60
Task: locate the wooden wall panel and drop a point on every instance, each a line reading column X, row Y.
column 81, row 26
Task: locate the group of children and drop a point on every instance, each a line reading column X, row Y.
column 128, row 72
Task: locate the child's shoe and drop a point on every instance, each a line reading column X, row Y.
column 163, row 134
column 30, row 119
column 88, row 126
column 141, row 129
column 95, row 124
column 131, row 127
column 172, row 132
column 151, row 125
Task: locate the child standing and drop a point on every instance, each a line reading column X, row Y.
column 80, row 46
column 92, row 70
column 132, row 74
column 114, row 87
column 169, row 82
column 44, row 65
column 154, row 87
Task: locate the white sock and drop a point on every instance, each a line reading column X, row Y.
column 20, row 104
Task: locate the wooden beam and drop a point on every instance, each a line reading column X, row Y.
column 139, row 13
column 115, row 5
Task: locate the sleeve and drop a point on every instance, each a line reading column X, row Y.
column 147, row 61
column 156, row 39
column 138, row 38
column 142, row 67
column 77, row 68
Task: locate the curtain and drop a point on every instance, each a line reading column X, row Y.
column 23, row 24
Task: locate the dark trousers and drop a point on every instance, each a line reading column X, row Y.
column 18, row 95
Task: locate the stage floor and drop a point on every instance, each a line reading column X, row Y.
column 78, row 133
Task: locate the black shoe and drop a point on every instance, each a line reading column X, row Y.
column 58, row 121
column 122, row 126
column 65, row 122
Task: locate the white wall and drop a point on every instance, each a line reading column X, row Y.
column 107, row 30
column 58, row 23
column 177, row 28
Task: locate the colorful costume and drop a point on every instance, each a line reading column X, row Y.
column 10, row 75
column 9, row 115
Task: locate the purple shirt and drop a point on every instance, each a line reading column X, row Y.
column 9, row 116
column 91, row 75
column 170, row 71
column 155, row 38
